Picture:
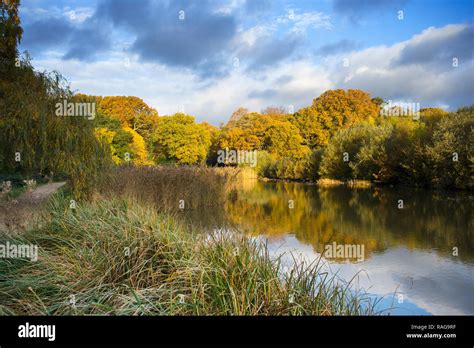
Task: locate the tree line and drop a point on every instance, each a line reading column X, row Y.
column 342, row 135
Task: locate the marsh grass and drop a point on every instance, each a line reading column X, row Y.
column 167, row 187
column 168, row 270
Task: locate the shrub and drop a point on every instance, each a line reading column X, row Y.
column 362, row 145
column 451, row 153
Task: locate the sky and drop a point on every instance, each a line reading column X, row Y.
column 209, row 57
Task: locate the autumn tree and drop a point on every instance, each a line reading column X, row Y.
column 238, row 114
column 284, row 140
column 10, row 33
column 131, row 111
column 311, row 126
column 332, row 110
column 431, row 116
column 247, row 133
column 275, row 111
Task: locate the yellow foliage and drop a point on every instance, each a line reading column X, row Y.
column 139, row 148
column 104, row 134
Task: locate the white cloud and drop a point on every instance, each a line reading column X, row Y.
column 294, row 82
column 376, row 70
column 301, row 22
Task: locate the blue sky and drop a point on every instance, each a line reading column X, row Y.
column 218, row 55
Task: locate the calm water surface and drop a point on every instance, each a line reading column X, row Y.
column 408, row 253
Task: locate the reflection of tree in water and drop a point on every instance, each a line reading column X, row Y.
column 429, row 220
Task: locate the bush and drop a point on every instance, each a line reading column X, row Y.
column 405, row 160
column 450, row 155
column 356, row 152
column 266, row 163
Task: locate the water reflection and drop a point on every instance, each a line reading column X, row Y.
column 408, row 250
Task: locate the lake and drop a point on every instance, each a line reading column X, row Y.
column 416, row 247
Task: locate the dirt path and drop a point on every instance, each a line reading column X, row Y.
column 17, row 214
column 41, row 193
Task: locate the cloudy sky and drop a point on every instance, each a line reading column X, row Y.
column 208, row 57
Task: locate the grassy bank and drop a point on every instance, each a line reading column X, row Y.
column 118, row 256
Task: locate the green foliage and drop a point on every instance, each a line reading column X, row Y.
column 265, row 164
column 290, row 168
column 405, row 160
column 33, row 140
column 435, row 151
column 178, row 138
column 314, row 163
column 451, row 152
column 356, row 153
column 43, row 142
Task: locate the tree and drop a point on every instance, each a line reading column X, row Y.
column 346, row 107
column 139, row 153
column 178, row 138
column 311, row 127
column 405, row 161
column 237, row 115
column 356, row 152
column 431, row 116
column 284, row 140
column 33, row 140
column 450, row 155
column 10, row 33
column 332, row 110
column 378, row 101
column 131, row 111
column 275, row 111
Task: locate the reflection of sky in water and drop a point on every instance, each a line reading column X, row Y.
column 428, row 283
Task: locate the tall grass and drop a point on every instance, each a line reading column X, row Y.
column 169, row 188
column 117, row 256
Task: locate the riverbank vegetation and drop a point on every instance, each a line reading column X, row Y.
column 121, row 257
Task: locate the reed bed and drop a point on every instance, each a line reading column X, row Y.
column 169, row 188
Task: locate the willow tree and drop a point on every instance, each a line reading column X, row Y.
column 33, row 139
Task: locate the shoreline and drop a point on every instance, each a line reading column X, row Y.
column 365, row 184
